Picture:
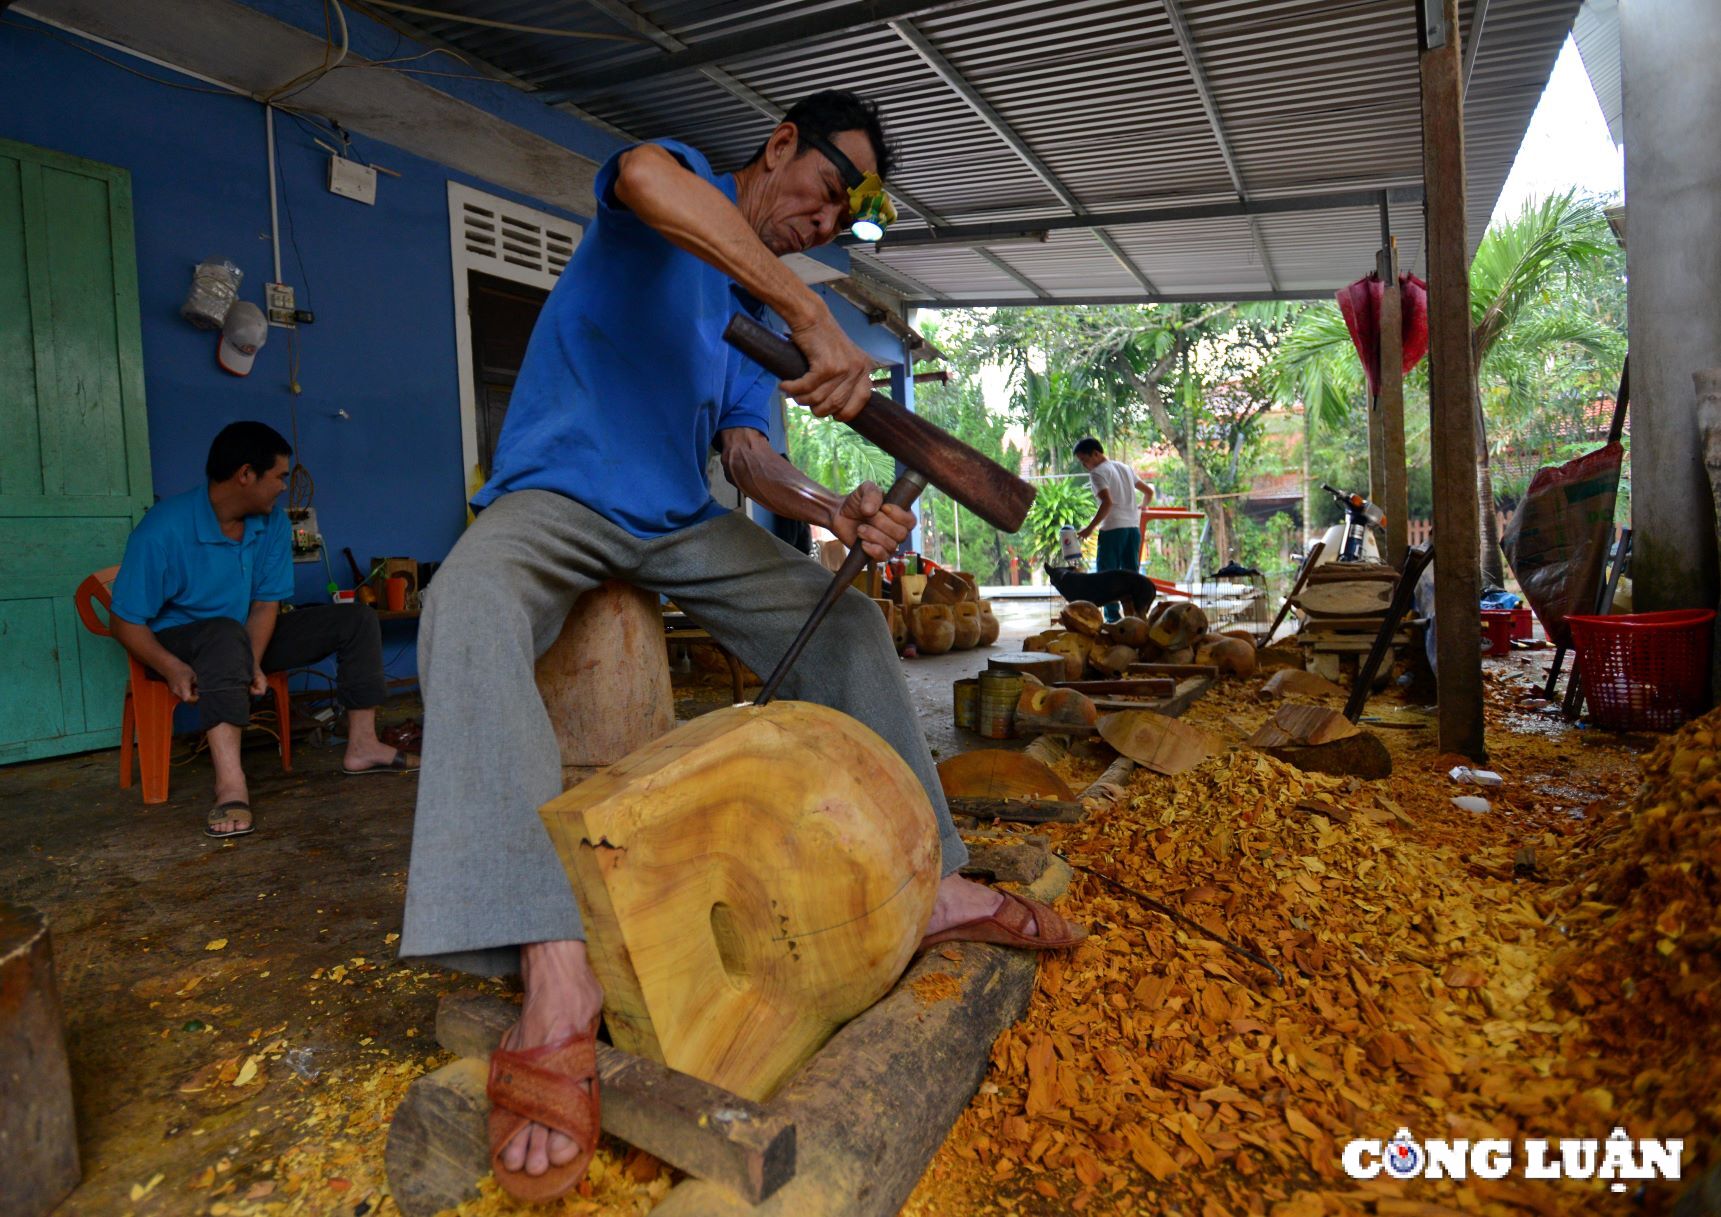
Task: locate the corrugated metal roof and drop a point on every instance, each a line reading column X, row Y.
column 1597, row 33
column 1313, row 97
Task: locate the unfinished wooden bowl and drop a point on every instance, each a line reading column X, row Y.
column 966, row 618
column 988, row 624
column 749, row 883
column 933, row 627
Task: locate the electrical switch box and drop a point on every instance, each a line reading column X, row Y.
column 307, row 538
column 353, row 180
column 279, row 303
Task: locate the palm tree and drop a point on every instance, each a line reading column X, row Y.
column 1316, row 367
column 1516, row 269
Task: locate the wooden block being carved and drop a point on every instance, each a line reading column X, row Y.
column 38, row 1139
column 605, row 680
column 749, row 883
column 437, row 1147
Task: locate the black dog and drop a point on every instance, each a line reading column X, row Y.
column 1134, row 591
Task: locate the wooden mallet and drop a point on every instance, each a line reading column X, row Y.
column 928, row 453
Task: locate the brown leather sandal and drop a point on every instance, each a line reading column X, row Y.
column 1009, row 927
column 545, row 1085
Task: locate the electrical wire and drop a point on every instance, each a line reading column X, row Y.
column 305, row 80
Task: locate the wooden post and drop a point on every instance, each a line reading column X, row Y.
column 1452, row 390
column 37, row 1133
column 1390, row 407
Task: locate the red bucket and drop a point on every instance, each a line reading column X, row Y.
column 1644, row 671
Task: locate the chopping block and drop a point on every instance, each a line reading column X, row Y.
column 38, row 1136
column 605, row 680
column 749, row 883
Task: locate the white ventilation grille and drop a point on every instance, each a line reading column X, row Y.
column 506, row 239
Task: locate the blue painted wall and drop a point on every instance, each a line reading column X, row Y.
column 388, row 476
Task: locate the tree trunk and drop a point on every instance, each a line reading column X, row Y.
column 1488, row 519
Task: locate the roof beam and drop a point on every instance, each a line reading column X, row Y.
column 1172, row 297
column 981, row 234
column 769, row 38
column 947, row 72
column 1197, row 74
column 1477, row 20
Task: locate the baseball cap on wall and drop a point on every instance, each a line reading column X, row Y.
column 243, row 334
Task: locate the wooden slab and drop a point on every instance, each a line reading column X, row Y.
column 1178, row 670
column 1144, row 687
column 1047, row 666
column 38, row 1135
column 999, row 773
column 875, row 1104
column 1157, row 742
column 1297, row 723
column 438, row 1147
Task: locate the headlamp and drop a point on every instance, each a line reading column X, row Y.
column 870, row 208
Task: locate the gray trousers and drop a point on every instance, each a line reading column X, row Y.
column 484, row 877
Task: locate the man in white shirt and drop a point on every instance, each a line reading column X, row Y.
column 1117, row 518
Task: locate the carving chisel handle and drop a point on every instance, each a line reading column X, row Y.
column 903, row 492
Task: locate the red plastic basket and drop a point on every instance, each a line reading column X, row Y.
column 1644, row 671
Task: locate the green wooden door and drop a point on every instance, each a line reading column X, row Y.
column 74, row 453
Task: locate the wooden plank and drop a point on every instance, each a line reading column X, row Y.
column 39, row 1135
column 1396, row 503
column 695, row 1127
column 879, row 1099
column 1178, row 670
column 1151, row 686
column 1452, row 393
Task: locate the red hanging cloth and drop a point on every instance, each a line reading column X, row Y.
column 1360, row 304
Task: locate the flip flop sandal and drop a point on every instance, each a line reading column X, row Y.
column 545, row 1085
column 228, row 811
column 403, row 762
column 1009, row 927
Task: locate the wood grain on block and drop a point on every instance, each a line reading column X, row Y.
column 695, row 1127
column 999, row 773
column 1047, row 667
column 749, row 883
column 1157, row 742
column 605, row 680
column 38, row 1134
column 1006, row 861
column 439, row 1141
column 875, row 1104
column 1295, row 682
column 1303, row 724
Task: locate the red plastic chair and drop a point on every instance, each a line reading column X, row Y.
column 149, row 703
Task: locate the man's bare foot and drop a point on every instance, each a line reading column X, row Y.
column 229, row 776
column 562, row 997
column 963, row 900
column 374, row 755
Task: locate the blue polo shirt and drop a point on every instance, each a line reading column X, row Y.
column 179, row 567
column 627, row 379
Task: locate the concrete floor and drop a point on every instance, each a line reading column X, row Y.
column 136, row 895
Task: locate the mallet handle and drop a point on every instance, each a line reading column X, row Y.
column 976, row 481
column 903, row 492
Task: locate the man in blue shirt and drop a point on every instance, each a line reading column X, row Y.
column 600, row 473
column 197, row 601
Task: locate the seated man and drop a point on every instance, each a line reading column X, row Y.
column 198, row 600
column 600, row 474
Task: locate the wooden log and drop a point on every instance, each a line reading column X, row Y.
column 1110, row 787
column 1452, row 387
column 1049, row 668
column 1047, row 748
column 1023, row 811
column 438, row 1147
column 999, row 773
column 1390, row 407
column 749, row 882
column 1019, row 860
column 605, row 680
column 38, row 1134
column 875, row 1104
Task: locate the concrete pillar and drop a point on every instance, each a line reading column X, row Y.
column 1671, row 73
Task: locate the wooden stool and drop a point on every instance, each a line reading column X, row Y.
column 605, row 680
column 38, row 1139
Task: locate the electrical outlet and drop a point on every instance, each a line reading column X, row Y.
column 307, row 537
column 278, row 301
column 352, row 180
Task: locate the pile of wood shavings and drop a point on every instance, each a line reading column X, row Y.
column 1157, row 1071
